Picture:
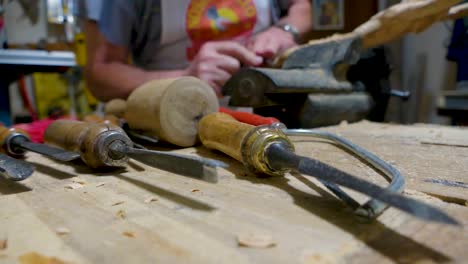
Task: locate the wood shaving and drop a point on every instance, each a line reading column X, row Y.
column 121, row 214
column 195, row 190
column 318, row 259
column 255, row 240
column 62, row 230
column 79, row 180
column 118, row 203
column 100, row 184
column 3, row 244
column 128, row 234
column 36, row 258
column 150, row 199
column 73, row 186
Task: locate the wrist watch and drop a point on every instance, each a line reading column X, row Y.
column 290, row 29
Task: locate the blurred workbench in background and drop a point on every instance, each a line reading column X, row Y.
column 144, row 215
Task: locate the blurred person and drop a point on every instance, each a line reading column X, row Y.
column 138, row 41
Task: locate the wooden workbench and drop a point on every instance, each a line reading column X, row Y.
column 144, row 215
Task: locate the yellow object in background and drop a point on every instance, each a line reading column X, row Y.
column 80, row 49
column 51, row 94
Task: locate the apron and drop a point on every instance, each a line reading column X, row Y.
column 187, row 24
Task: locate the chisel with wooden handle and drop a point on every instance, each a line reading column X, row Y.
column 140, row 136
column 104, row 144
column 267, row 150
column 15, row 142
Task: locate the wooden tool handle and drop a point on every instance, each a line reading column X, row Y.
column 4, row 134
column 110, row 119
column 224, row 133
column 243, row 142
column 116, row 107
column 85, row 138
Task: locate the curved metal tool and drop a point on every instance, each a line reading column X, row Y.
column 268, row 150
column 373, row 207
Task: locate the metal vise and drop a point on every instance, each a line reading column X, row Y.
column 318, row 85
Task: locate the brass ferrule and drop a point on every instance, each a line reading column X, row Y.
column 257, row 142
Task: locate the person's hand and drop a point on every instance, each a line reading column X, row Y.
column 217, row 61
column 271, row 42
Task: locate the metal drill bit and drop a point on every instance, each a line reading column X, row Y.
column 22, row 142
column 191, row 166
column 281, row 157
column 14, row 169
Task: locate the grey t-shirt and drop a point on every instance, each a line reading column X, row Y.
column 89, row 9
column 134, row 24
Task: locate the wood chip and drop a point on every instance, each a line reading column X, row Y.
column 121, row 214
column 62, row 230
column 36, row 258
column 118, row 203
column 151, row 199
column 100, row 184
column 128, row 234
column 79, row 180
column 256, row 240
column 3, row 244
column 73, row 186
column 195, row 190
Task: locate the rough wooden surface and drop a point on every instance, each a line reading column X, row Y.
column 144, row 215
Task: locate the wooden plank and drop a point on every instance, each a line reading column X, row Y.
column 190, row 221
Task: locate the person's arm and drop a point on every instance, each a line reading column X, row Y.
column 110, row 76
column 275, row 40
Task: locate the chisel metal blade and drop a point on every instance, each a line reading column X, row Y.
column 14, row 169
column 285, row 158
column 49, row 151
column 191, row 166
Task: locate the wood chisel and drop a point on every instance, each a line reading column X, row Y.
column 139, row 136
column 104, row 144
column 15, row 142
column 14, row 169
column 266, row 149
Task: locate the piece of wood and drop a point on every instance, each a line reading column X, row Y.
column 411, row 16
column 116, row 107
column 306, row 222
column 107, row 119
column 171, row 109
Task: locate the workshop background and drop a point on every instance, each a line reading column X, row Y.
column 31, row 89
